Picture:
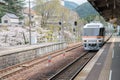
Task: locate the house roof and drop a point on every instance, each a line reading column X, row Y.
column 12, row 15
column 26, row 11
column 2, row 2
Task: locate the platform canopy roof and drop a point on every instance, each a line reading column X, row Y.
column 109, row 9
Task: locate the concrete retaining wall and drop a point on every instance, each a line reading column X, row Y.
column 19, row 55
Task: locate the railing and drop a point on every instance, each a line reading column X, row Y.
column 19, row 55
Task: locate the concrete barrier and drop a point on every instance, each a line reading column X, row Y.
column 20, row 55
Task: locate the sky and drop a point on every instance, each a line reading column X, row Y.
column 78, row 1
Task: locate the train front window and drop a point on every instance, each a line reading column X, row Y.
column 102, row 31
column 91, row 31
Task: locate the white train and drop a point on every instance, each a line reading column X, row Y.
column 94, row 35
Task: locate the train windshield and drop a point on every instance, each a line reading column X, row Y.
column 93, row 31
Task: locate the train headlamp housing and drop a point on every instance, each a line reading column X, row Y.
column 85, row 40
column 99, row 40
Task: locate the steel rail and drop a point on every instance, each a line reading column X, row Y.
column 57, row 76
column 8, row 72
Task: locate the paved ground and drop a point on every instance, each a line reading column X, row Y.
column 42, row 44
column 96, row 70
column 99, row 67
column 107, row 66
column 115, row 68
column 21, row 46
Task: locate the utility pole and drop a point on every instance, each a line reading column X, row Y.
column 62, row 27
column 61, row 23
column 29, row 22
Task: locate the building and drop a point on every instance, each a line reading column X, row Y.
column 35, row 19
column 10, row 19
column 2, row 2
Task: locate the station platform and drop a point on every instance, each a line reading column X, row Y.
column 105, row 65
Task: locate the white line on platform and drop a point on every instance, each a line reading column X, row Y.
column 114, row 40
column 110, row 75
column 113, row 54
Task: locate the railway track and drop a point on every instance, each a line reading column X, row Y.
column 71, row 70
column 8, row 72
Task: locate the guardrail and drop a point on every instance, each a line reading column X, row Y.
column 19, row 55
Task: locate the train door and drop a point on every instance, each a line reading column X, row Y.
column 118, row 30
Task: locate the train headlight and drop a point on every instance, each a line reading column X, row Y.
column 85, row 40
column 99, row 40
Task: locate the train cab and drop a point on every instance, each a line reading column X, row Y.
column 93, row 36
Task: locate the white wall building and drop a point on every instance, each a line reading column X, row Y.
column 2, row 2
column 10, row 20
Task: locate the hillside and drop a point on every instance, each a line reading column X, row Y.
column 70, row 5
column 85, row 10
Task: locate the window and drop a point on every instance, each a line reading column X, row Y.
column 94, row 31
column 91, row 31
column 5, row 21
column 102, row 32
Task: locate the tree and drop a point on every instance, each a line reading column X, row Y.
column 53, row 11
column 13, row 6
column 3, row 10
column 46, row 9
column 90, row 18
